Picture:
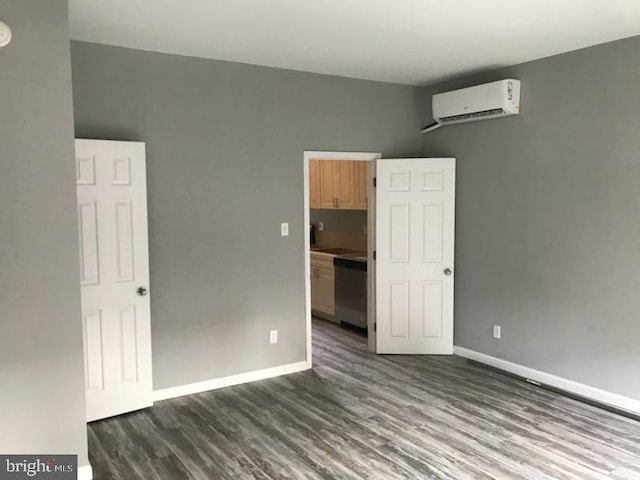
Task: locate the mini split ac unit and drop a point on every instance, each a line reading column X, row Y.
column 482, row 102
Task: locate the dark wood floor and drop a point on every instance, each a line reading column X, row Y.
column 358, row 415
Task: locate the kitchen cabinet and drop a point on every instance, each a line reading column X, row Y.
column 343, row 184
column 361, row 177
column 322, row 285
column 338, row 184
column 314, row 184
column 327, row 180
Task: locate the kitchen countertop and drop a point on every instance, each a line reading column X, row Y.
column 337, row 250
column 360, row 255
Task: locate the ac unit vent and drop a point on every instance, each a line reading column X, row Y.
column 482, row 102
column 470, row 116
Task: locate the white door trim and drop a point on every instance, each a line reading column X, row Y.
column 320, row 155
column 85, row 472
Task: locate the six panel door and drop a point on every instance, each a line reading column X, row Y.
column 415, row 219
column 114, row 276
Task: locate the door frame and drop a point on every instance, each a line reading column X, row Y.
column 333, row 155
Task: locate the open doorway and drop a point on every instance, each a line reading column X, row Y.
column 411, row 227
column 339, row 240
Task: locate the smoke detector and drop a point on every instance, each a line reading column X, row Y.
column 5, row 34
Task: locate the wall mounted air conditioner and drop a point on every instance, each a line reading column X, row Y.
column 482, row 102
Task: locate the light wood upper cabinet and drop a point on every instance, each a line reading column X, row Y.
column 342, row 184
column 314, row 184
column 327, row 183
column 361, row 170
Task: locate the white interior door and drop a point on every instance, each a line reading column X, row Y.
column 415, row 220
column 114, row 276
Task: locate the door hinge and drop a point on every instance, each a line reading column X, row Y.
column 375, row 326
column 374, row 254
column 375, row 181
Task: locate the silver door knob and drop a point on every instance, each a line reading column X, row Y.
column 142, row 291
column 447, row 271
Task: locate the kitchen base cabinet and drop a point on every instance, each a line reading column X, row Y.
column 322, row 286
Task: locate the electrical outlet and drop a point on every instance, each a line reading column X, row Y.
column 497, row 332
column 321, row 226
column 284, row 229
column 273, row 336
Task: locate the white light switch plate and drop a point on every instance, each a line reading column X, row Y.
column 321, row 226
column 273, row 336
column 5, row 34
column 284, row 229
column 497, row 332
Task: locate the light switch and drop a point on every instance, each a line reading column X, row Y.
column 284, row 229
column 321, row 226
column 497, row 332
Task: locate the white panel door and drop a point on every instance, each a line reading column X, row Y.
column 415, row 220
column 114, row 276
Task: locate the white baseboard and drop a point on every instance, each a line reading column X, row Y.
column 85, row 472
column 213, row 384
column 602, row 396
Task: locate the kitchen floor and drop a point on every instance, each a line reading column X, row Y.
column 357, row 415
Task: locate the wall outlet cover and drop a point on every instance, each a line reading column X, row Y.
column 320, row 226
column 273, row 336
column 284, row 229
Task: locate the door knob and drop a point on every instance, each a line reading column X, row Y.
column 142, row 291
column 447, row 271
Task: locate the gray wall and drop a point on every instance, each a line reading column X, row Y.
column 225, row 145
column 548, row 230
column 41, row 363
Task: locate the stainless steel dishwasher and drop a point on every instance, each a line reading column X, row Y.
column 351, row 289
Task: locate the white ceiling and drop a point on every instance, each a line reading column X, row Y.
column 404, row 41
